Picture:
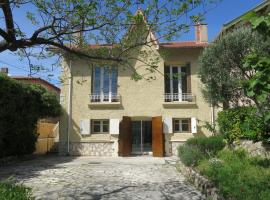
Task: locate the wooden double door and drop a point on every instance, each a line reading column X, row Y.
column 141, row 136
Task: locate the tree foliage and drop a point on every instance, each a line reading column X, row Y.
column 258, row 86
column 21, row 107
column 235, row 68
column 221, row 65
column 58, row 23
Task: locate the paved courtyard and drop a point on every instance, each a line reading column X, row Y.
column 101, row 178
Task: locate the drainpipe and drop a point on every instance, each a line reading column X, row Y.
column 69, row 105
column 213, row 115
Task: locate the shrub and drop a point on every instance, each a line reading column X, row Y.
column 21, row 107
column 242, row 122
column 207, row 145
column 237, row 176
column 190, row 155
column 10, row 191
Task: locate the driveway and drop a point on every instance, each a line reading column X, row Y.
column 54, row 177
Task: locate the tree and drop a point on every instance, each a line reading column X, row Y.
column 221, row 66
column 59, row 23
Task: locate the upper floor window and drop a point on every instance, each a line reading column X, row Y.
column 177, row 83
column 104, row 84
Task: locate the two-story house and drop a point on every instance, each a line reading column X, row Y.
column 106, row 113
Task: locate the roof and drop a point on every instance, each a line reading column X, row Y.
column 41, row 81
column 185, row 44
column 180, row 44
column 256, row 9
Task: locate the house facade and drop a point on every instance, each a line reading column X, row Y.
column 106, row 113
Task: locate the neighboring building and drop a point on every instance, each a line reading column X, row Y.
column 39, row 81
column 260, row 9
column 108, row 114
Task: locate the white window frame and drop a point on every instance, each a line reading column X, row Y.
column 179, row 82
column 101, row 81
column 180, row 125
column 100, row 126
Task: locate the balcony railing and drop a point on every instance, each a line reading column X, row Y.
column 175, row 97
column 105, row 98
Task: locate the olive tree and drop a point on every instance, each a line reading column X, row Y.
column 221, row 66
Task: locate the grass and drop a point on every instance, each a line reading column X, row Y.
column 10, row 191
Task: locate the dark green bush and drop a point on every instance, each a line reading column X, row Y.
column 10, row 191
column 190, row 155
column 21, row 107
column 207, row 145
column 242, row 122
column 237, row 176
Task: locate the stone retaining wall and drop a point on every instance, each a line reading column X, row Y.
column 255, row 149
column 200, row 182
column 90, row 148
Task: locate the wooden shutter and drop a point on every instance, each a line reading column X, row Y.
column 193, row 125
column 85, row 126
column 188, row 71
column 167, row 125
column 114, row 126
column 125, row 137
column 157, row 137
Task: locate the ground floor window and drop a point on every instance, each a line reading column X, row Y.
column 181, row 125
column 100, row 126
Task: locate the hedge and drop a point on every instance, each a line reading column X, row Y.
column 21, row 106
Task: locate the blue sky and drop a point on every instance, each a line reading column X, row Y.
column 224, row 12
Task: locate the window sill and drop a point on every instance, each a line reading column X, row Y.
column 174, row 104
column 104, row 104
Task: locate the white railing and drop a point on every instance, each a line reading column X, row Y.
column 110, row 97
column 175, row 97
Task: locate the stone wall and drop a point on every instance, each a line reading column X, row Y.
column 200, row 182
column 90, row 148
column 255, row 149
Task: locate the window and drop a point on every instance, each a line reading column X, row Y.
column 104, row 84
column 181, row 125
column 100, row 126
column 176, row 87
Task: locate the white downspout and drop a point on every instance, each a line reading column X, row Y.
column 69, row 106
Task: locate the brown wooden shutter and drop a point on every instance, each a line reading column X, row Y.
column 188, row 78
column 157, row 137
column 125, row 137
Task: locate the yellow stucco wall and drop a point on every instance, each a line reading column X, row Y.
column 141, row 99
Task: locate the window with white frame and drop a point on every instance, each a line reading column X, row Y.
column 181, row 125
column 100, row 126
column 104, row 84
column 176, row 83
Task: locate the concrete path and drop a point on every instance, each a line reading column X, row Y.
column 101, row 178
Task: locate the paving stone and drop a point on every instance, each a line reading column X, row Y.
column 57, row 177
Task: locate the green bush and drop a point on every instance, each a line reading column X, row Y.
column 237, row 176
column 199, row 148
column 242, row 122
column 10, row 191
column 207, row 145
column 21, row 107
column 190, row 155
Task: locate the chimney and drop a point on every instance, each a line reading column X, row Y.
column 4, row 70
column 201, row 34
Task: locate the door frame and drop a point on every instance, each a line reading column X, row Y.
column 142, row 152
